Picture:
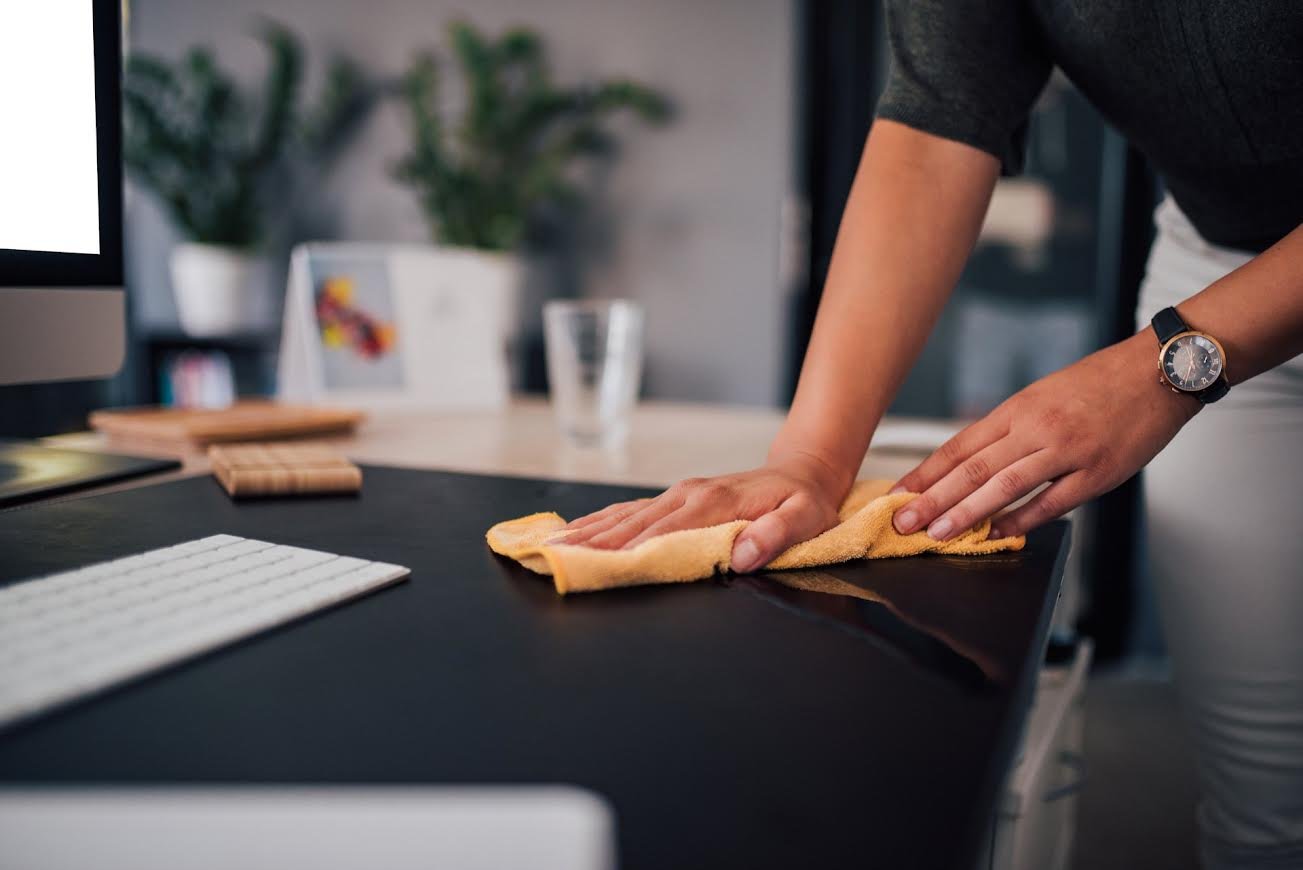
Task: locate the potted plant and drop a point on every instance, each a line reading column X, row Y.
column 215, row 157
column 485, row 178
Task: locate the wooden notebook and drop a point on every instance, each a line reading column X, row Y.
column 192, row 429
column 282, row 469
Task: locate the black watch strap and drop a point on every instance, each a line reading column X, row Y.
column 1167, row 323
column 1214, row 391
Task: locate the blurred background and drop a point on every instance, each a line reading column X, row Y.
column 705, row 182
column 709, row 155
column 719, row 219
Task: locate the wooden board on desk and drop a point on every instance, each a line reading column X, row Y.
column 196, row 428
column 282, row 469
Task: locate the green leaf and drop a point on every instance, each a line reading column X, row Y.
column 482, row 179
column 345, row 100
column 281, row 89
column 211, row 152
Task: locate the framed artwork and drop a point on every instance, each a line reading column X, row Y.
column 396, row 325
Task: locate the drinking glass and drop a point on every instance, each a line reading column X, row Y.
column 594, row 363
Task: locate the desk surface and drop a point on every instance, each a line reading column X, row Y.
column 730, row 724
column 669, row 441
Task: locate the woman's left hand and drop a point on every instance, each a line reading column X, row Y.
column 1084, row 430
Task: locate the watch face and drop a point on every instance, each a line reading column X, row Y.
column 1192, row 363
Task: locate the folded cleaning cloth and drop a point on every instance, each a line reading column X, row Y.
column 863, row 531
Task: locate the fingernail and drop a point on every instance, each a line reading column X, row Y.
column 994, row 534
column 746, row 557
column 905, row 521
column 940, row 530
column 896, row 490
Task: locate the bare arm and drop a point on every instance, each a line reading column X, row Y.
column 1085, row 429
column 1257, row 310
column 909, row 225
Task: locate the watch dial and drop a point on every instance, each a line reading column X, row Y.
column 1192, row 363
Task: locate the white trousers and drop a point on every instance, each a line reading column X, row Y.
column 1224, row 505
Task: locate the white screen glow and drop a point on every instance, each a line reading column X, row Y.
column 49, row 193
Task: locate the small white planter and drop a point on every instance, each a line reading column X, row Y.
column 214, row 288
column 491, row 281
column 506, row 274
column 497, row 277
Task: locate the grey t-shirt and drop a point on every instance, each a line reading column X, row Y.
column 1210, row 90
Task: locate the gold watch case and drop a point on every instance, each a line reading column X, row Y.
column 1162, row 355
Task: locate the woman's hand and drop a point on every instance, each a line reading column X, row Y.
column 789, row 499
column 1084, row 430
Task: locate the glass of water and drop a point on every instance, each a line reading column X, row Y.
column 594, row 364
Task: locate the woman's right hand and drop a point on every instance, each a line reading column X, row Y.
column 912, row 217
column 789, row 501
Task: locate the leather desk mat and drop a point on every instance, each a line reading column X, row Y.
column 731, row 723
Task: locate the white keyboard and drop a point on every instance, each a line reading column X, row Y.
column 71, row 634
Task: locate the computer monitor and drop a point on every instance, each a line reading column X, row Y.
column 61, row 298
column 62, row 311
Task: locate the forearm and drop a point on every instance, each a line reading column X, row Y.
column 910, row 222
column 1081, row 431
column 1256, row 312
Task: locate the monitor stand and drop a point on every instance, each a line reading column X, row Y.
column 30, row 471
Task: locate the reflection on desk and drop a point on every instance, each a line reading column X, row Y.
column 724, row 730
column 820, row 594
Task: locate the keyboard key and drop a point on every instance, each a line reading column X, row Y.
column 81, row 631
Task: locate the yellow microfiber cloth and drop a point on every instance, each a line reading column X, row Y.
column 864, row 531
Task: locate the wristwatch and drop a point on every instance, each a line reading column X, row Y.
column 1189, row 361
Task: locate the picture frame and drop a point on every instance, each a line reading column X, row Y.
column 383, row 326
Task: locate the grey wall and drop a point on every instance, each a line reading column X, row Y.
column 692, row 213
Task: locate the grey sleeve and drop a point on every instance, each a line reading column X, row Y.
column 967, row 70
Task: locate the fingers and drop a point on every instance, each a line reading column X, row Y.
column 945, row 458
column 683, row 518
column 607, row 520
column 620, row 508
column 619, row 528
column 1054, row 501
column 962, row 480
column 784, row 511
column 1004, row 488
column 634, row 529
column 796, row 519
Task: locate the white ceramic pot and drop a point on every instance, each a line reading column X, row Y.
column 504, row 275
column 494, row 281
column 498, row 277
column 214, row 288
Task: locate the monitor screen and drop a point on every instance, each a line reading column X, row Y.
column 48, row 153
column 62, row 308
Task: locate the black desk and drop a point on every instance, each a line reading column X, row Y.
column 740, row 724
